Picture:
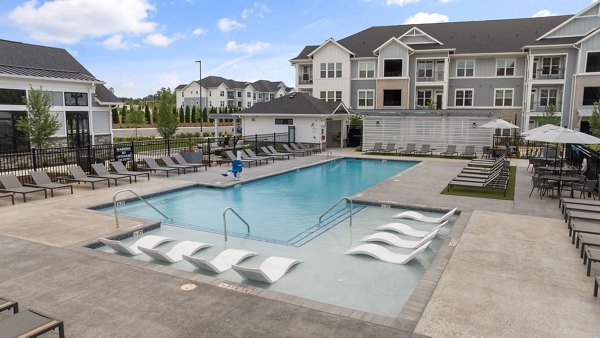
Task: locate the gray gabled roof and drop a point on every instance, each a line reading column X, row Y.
column 180, row 87
column 491, row 36
column 295, row 104
column 266, row 86
column 105, row 96
column 260, row 85
column 17, row 58
column 215, row 81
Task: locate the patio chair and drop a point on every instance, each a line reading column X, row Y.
column 542, row 185
column 42, row 180
column 169, row 163
column 299, row 152
column 12, row 185
column 469, row 151
column 377, row 147
column 275, row 152
column 417, row 216
column 383, row 254
column 8, row 194
column 302, row 146
column 275, row 155
column 222, row 262
column 149, row 241
column 389, row 147
column 79, row 176
column 405, row 229
column 410, row 148
column 450, row 150
column 585, row 187
column 425, row 148
column 7, row 304
column 269, row 271
column 154, row 167
column 297, row 146
column 232, row 157
column 252, row 155
column 175, row 254
column 101, row 171
column 181, row 160
column 30, row 323
column 122, row 170
column 487, row 152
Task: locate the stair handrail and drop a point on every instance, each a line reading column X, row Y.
column 238, row 216
column 335, row 205
column 138, row 197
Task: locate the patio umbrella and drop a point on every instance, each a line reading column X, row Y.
column 499, row 124
column 541, row 129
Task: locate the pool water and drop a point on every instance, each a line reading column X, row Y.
column 283, row 209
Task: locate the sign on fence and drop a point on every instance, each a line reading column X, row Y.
column 123, row 153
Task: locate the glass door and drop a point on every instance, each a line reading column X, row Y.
column 78, row 129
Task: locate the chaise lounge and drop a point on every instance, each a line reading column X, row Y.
column 382, row 253
column 42, row 180
column 122, row 170
column 79, row 176
column 174, row 254
column 417, row 216
column 149, row 241
column 222, row 262
column 30, row 323
column 154, row 167
column 12, row 185
column 405, row 229
column 270, row 271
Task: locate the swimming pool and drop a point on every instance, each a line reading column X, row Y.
column 282, row 209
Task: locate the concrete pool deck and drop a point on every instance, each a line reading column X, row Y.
column 513, row 271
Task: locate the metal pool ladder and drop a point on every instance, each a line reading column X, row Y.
column 333, row 153
column 138, row 197
column 225, row 221
column 335, row 205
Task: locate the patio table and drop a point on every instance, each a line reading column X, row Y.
column 560, row 179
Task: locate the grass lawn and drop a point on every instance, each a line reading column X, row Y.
column 487, row 193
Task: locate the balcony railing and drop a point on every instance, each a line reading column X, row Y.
column 430, row 77
column 545, row 74
column 305, row 80
column 540, row 106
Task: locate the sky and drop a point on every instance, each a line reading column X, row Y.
column 139, row 46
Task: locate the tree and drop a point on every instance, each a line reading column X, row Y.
column 204, row 115
column 595, row 120
column 166, row 122
column 39, row 124
column 147, row 114
column 549, row 116
column 182, row 114
column 186, row 114
column 115, row 115
column 194, row 114
column 136, row 118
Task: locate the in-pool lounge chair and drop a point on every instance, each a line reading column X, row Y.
column 405, row 229
column 8, row 194
column 122, row 170
column 417, row 216
column 154, row 167
column 149, row 241
column 282, row 156
column 382, row 253
column 12, row 185
column 179, row 158
column 274, row 151
column 397, row 241
column 169, row 163
column 102, row 172
column 270, row 271
column 30, row 323
column 79, row 176
column 174, row 254
column 42, row 180
column 222, row 262
column 377, row 147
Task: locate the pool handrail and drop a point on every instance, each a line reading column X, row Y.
column 333, row 153
column 335, row 205
column 138, row 197
column 225, row 220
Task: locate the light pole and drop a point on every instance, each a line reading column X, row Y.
column 200, row 94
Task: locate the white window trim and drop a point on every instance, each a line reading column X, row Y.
column 585, row 61
column 472, row 97
column 474, row 68
column 431, row 98
column 335, row 70
column 496, row 67
column 366, row 63
column 358, row 98
column 512, row 104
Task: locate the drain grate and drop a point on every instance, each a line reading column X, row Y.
column 236, row 288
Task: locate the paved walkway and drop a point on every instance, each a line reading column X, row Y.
column 513, row 272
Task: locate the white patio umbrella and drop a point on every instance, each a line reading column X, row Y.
column 499, row 124
column 541, row 129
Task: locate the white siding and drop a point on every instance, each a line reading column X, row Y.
column 392, row 51
column 332, row 53
column 308, row 129
column 101, row 122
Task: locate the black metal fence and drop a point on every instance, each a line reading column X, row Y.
column 56, row 161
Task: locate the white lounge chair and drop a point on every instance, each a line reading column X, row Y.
column 408, row 230
column 397, row 241
column 270, row 271
column 222, row 262
column 381, row 253
column 417, row 216
column 174, row 254
column 149, row 241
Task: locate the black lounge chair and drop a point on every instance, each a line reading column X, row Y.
column 274, row 151
column 389, row 147
column 299, row 152
column 102, row 172
column 377, row 147
column 410, row 148
column 9, row 194
column 275, row 155
column 79, row 176
column 425, row 148
column 301, row 146
column 154, row 167
column 7, row 304
column 169, row 163
column 253, row 155
column 30, row 323
column 232, row 158
column 42, row 180
column 122, row 170
column 469, row 151
column 450, row 151
column 181, row 160
column 12, row 184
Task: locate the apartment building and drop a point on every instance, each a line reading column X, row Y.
column 220, row 92
column 80, row 101
column 514, row 69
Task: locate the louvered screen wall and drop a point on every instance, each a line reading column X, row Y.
column 437, row 131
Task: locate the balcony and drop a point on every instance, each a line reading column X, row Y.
column 548, row 74
column 305, row 80
column 540, row 106
column 430, row 76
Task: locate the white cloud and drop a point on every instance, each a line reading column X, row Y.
column 446, row 1
column 70, row 21
column 199, row 31
column 227, row 25
column 158, row 40
column 249, row 48
column 423, row 17
column 116, row 42
column 400, row 2
column 259, row 9
column 543, row 12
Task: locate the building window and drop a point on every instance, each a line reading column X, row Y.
column 425, row 69
column 505, row 67
column 249, row 104
column 551, row 65
column 503, row 97
column 548, row 97
column 366, row 98
column 222, row 93
column 284, row 121
column 424, row 98
column 222, row 103
column 392, row 68
column 239, row 94
column 12, row 96
column 209, row 93
column 331, row 95
column 331, row 70
column 465, row 68
column 593, row 62
column 392, row 97
column 464, row 98
column 248, row 94
column 366, row 69
column 239, row 104
column 76, row 99
column 11, row 139
column 591, row 95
